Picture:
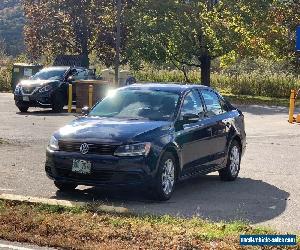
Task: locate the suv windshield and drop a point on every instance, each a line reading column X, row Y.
column 49, row 74
column 138, row 104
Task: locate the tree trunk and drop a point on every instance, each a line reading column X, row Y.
column 85, row 60
column 205, row 62
column 85, row 54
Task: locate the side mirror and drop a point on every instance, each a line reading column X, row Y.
column 85, row 110
column 191, row 118
column 71, row 79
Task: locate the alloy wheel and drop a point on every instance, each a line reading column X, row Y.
column 168, row 176
column 234, row 160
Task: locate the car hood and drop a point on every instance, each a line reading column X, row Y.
column 108, row 130
column 36, row 83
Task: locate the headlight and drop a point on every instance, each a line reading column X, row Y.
column 18, row 89
column 45, row 89
column 53, row 144
column 138, row 149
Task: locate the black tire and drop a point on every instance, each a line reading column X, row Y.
column 160, row 189
column 232, row 169
column 23, row 109
column 58, row 102
column 64, row 186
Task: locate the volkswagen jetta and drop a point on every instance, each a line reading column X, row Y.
column 150, row 135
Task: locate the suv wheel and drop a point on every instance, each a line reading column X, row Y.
column 232, row 169
column 166, row 177
column 64, row 186
column 58, row 102
column 23, row 109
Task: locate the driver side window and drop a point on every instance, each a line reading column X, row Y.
column 192, row 104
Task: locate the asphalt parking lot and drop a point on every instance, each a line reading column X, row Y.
column 267, row 192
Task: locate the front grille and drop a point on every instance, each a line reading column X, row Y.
column 102, row 149
column 28, row 90
column 98, row 176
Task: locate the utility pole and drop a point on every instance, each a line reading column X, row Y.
column 118, row 42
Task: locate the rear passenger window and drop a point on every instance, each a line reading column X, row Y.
column 192, row 104
column 212, row 103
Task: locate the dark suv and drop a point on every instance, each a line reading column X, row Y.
column 49, row 87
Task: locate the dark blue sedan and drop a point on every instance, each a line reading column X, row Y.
column 151, row 135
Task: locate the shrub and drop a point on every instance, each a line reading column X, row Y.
column 255, row 83
column 5, row 79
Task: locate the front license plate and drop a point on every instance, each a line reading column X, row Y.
column 81, row 167
column 26, row 98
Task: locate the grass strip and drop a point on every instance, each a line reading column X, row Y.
column 257, row 100
column 87, row 228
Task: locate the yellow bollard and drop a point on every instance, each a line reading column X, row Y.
column 292, row 106
column 91, row 89
column 298, row 118
column 70, row 99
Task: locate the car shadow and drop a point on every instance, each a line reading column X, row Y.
column 249, row 200
column 45, row 112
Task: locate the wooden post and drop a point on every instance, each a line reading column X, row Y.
column 292, row 106
column 91, row 90
column 70, row 99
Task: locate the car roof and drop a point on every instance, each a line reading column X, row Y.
column 169, row 87
column 64, row 67
column 58, row 67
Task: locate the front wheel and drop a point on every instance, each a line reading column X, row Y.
column 166, row 177
column 64, row 186
column 232, row 169
column 23, row 109
column 58, row 102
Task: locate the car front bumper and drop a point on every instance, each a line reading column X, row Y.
column 106, row 170
column 34, row 100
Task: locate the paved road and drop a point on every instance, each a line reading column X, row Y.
column 267, row 192
column 6, row 245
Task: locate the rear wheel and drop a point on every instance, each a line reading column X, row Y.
column 232, row 169
column 166, row 177
column 64, row 186
column 58, row 102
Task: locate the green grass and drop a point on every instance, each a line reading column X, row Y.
column 81, row 228
column 57, row 209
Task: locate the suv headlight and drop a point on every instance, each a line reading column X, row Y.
column 45, row 88
column 53, row 144
column 18, row 89
column 139, row 149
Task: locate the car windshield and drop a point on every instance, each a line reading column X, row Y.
column 138, row 104
column 49, row 74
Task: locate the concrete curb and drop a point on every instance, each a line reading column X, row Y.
column 65, row 203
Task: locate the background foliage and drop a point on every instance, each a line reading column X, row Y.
column 256, row 77
column 251, row 43
column 11, row 26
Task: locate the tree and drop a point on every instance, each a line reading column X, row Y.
column 192, row 33
column 11, row 26
column 72, row 27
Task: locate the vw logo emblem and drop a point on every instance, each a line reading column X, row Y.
column 84, row 148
